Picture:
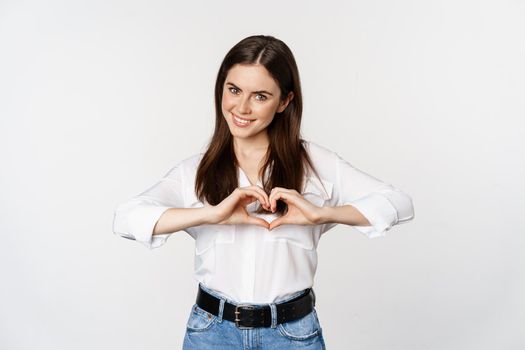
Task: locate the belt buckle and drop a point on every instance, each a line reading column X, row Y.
column 237, row 313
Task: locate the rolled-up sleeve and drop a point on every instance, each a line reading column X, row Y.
column 381, row 203
column 136, row 217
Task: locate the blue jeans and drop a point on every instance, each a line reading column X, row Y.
column 206, row 331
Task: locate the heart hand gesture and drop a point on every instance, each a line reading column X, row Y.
column 232, row 209
column 300, row 211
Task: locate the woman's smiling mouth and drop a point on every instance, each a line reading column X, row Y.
column 241, row 122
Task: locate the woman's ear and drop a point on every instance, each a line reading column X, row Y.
column 284, row 104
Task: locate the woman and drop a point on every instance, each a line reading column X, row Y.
column 256, row 203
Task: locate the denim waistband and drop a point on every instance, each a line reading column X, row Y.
column 228, row 300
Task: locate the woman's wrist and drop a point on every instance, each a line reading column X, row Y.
column 326, row 215
column 209, row 215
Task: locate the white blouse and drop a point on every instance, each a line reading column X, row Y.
column 248, row 263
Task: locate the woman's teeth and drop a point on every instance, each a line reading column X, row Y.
column 241, row 121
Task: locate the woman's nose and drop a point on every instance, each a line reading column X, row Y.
column 244, row 105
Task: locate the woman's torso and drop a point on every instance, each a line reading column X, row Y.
column 248, row 263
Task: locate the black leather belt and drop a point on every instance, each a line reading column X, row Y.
column 247, row 316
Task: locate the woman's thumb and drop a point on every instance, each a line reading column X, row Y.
column 257, row 221
column 278, row 222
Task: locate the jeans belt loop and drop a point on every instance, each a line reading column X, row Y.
column 221, row 309
column 274, row 315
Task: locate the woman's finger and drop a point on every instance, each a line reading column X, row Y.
column 286, row 196
column 278, row 222
column 245, row 192
column 258, row 189
column 257, row 221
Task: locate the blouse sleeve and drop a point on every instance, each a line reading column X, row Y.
column 136, row 217
column 381, row 203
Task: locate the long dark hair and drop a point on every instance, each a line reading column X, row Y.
column 286, row 155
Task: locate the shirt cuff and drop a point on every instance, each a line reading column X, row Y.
column 379, row 211
column 141, row 222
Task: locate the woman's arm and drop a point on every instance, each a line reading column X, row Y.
column 135, row 218
column 365, row 202
column 155, row 214
column 346, row 214
column 177, row 219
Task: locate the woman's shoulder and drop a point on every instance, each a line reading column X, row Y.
column 321, row 182
column 324, row 160
column 318, row 152
column 186, row 166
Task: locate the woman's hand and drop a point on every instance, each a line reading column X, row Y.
column 300, row 211
column 232, row 209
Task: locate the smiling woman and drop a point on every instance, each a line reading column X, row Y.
column 251, row 108
column 257, row 203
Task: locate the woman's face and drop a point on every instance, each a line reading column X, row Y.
column 250, row 99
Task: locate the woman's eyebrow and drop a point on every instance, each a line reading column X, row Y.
column 255, row 92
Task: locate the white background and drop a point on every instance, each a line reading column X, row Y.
column 99, row 99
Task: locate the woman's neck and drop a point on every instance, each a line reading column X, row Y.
column 250, row 149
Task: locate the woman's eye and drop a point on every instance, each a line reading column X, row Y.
column 260, row 97
column 233, row 90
